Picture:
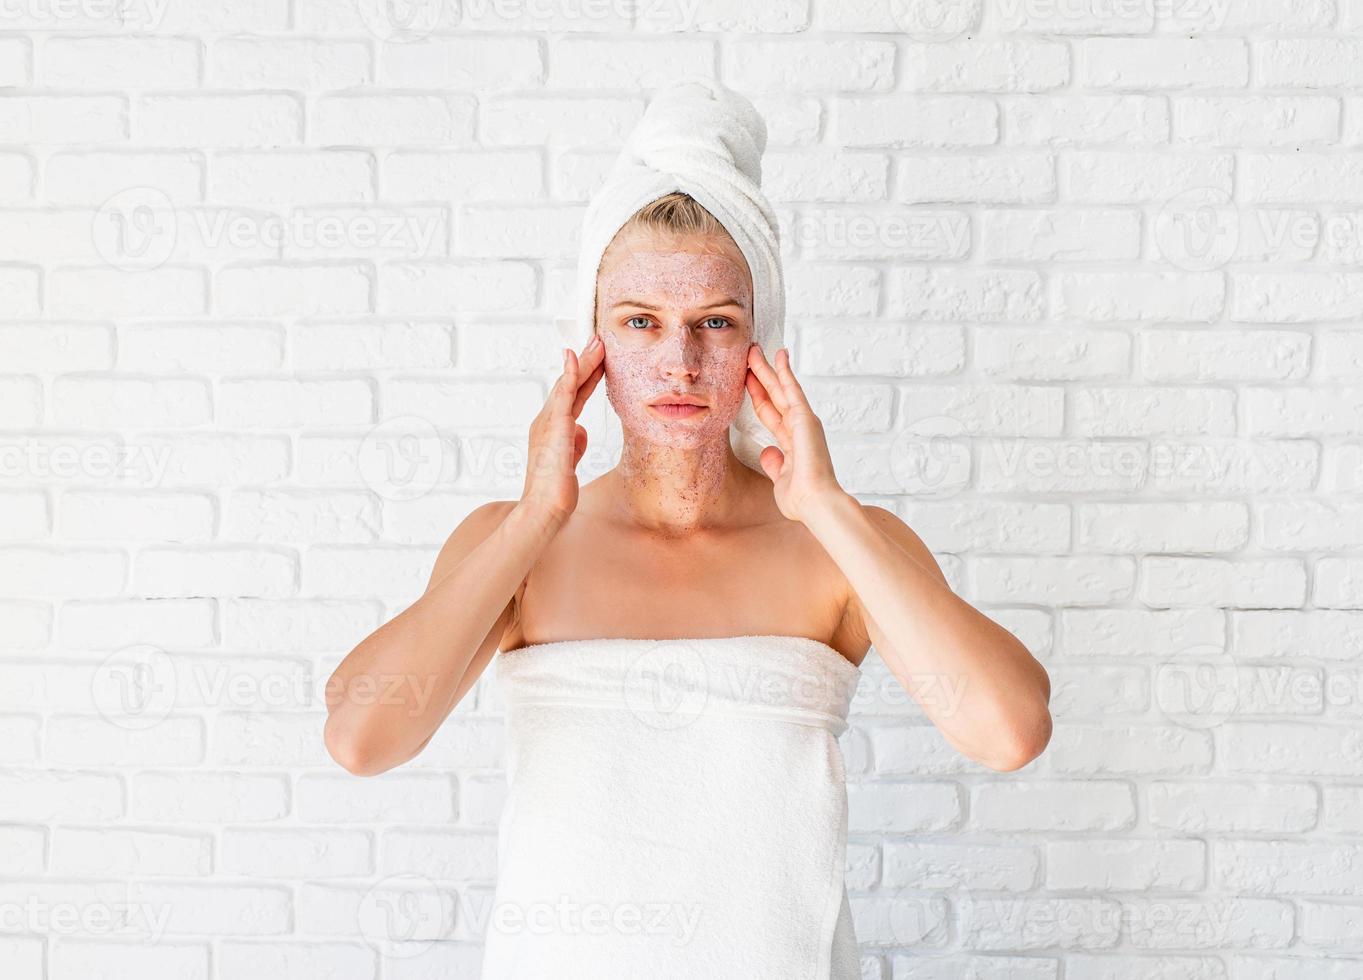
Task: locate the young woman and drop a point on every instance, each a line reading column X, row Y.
column 649, row 781
column 679, row 640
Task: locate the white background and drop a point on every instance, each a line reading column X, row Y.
column 1074, row 284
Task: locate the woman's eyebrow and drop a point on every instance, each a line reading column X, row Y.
column 726, row 301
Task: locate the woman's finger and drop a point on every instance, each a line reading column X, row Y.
column 585, row 389
column 566, row 385
column 591, row 367
column 789, row 383
column 757, row 361
column 766, row 412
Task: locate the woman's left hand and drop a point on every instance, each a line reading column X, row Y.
column 801, row 470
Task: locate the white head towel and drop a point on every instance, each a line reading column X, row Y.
column 705, row 140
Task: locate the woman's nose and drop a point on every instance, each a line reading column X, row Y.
column 678, row 352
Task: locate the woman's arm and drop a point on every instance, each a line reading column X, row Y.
column 389, row 695
column 975, row 681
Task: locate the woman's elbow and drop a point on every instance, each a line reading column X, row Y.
column 1026, row 743
column 353, row 754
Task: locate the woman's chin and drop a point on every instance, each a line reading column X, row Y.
column 672, row 435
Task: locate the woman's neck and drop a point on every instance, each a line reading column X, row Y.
column 676, row 491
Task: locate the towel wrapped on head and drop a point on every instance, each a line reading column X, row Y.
column 705, row 140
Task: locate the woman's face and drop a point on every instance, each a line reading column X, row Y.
column 675, row 316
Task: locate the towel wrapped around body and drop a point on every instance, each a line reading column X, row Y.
column 676, row 809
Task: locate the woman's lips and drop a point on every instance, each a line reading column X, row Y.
column 678, row 411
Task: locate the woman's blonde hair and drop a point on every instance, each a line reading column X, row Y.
column 678, row 213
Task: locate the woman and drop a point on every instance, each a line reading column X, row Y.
column 679, row 641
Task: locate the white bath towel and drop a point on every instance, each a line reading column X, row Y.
column 706, row 140
column 676, row 809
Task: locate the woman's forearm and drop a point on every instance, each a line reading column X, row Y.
column 390, row 694
column 976, row 682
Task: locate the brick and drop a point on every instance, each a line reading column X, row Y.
column 1143, row 527
column 1151, row 297
column 1114, row 177
column 102, row 63
column 63, row 119
column 1081, row 235
column 1018, row 178
column 1308, row 63
column 287, row 63
column 1256, row 121
column 1126, row 865
column 392, row 119
column 1232, row 807
column 917, row 120
column 219, row 120
column 961, row 294
column 1082, row 120
column 1163, row 63
column 463, row 63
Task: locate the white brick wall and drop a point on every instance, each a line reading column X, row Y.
column 1074, row 283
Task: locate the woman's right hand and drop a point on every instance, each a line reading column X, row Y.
column 557, row 442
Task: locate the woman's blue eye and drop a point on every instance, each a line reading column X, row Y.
column 718, row 321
